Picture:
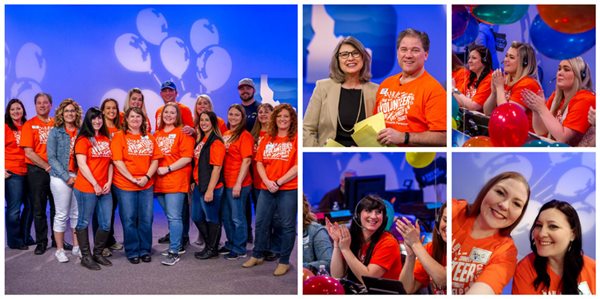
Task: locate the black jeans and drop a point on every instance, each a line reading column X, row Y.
column 39, row 185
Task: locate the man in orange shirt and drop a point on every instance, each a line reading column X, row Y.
column 168, row 92
column 33, row 141
column 413, row 102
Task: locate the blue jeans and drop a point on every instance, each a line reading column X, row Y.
column 172, row 204
column 87, row 203
column 284, row 204
column 15, row 196
column 135, row 208
column 206, row 211
column 234, row 220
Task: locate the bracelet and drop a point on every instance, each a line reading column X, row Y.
column 275, row 181
column 147, row 176
column 169, row 167
column 406, row 138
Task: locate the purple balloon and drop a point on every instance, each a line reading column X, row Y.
column 470, row 33
column 558, row 45
column 460, row 19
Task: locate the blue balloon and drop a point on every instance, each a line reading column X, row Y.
column 536, row 143
column 455, row 111
column 470, row 33
column 558, row 144
column 558, row 45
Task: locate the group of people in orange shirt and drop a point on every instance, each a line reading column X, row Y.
column 87, row 164
column 566, row 116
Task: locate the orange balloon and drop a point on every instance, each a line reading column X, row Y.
column 568, row 18
column 478, row 141
column 306, row 274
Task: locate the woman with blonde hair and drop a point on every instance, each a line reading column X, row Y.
column 204, row 103
column 135, row 98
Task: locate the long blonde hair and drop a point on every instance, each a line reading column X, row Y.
column 128, row 100
column 527, row 65
column 582, row 81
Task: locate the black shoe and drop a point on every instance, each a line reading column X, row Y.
column 146, row 258
column 134, row 260
column 22, row 247
column 223, row 251
column 208, row 254
column 270, row 256
column 40, row 249
column 165, row 240
column 185, row 241
column 30, row 242
column 67, row 246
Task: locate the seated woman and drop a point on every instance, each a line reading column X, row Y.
column 589, row 138
column 564, row 116
column 316, row 245
column 460, row 74
column 366, row 249
column 557, row 264
column 343, row 99
column 520, row 73
column 430, row 265
column 477, row 88
column 484, row 256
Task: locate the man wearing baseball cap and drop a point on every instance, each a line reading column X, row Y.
column 246, row 90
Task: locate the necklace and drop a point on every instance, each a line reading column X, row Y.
column 360, row 104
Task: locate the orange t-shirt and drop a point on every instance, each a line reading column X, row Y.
column 417, row 106
column 148, row 124
column 421, row 275
column 222, row 125
column 386, row 254
column 186, row 115
column 98, row 159
column 480, row 94
column 278, row 155
column 575, row 115
column 112, row 131
column 174, row 145
column 256, row 181
column 236, row 152
column 137, row 152
column 35, row 135
column 217, row 156
column 461, row 77
column 14, row 159
column 490, row 260
column 513, row 93
column 73, row 135
column 525, row 275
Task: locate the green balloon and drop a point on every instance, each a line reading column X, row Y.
column 455, row 111
column 558, row 144
column 536, row 143
column 500, row 14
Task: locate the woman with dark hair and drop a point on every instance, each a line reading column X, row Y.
column 206, row 201
column 557, row 264
column 564, row 116
column 173, row 176
column 316, row 245
column 484, row 255
column 111, row 114
column 15, row 172
column 135, row 156
column 60, row 147
column 92, row 187
column 277, row 163
column 424, row 264
column 520, row 73
column 460, row 74
column 477, row 88
column 366, row 249
column 236, row 175
column 343, row 99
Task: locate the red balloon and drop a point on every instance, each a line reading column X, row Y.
column 306, row 274
column 568, row 18
column 508, row 125
column 322, row 285
column 478, row 141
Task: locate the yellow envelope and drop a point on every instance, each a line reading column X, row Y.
column 377, row 122
column 333, row 143
column 366, row 137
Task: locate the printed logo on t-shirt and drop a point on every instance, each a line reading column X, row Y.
column 101, row 150
column 226, row 139
column 198, row 149
column 17, row 135
column 395, row 106
column 165, row 143
column 471, row 92
column 466, row 267
column 140, row 147
column 72, row 145
column 278, row 151
column 43, row 132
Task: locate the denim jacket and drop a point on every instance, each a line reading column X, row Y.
column 59, row 152
column 317, row 248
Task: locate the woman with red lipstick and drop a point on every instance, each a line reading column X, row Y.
column 484, row 256
column 557, row 264
column 477, row 87
column 343, row 99
column 564, row 116
column 520, row 73
column 366, row 249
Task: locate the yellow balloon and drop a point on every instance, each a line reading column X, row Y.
column 419, row 160
column 454, row 125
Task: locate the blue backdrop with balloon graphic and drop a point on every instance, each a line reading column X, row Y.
column 556, row 32
column 91, row 52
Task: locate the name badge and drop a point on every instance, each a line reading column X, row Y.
column 35, row 127
column 479, row 255
column 145, row 137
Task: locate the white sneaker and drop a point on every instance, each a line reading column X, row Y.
column 76, row 252
column 61, row 256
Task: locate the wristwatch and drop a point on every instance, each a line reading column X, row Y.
column 455, row 90
column 406, row 138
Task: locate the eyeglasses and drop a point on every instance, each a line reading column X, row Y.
column 345, row 55
column 69, row 111
column 413, row 51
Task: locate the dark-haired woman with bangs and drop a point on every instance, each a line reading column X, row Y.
column 366, row 249
column 557, row 264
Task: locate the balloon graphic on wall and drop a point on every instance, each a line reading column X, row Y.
column 7, row 63
column 203, row 34
column 557, row 45
column 470, row 33
column 214, row 68
column 30, row 63
column 25, row 90
column 118, row 94
column 152, row 25
column 499, row 14
column 175, row 56
column 568, row 18
column 575, row 181
column 460, row 19
column 132, row 53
